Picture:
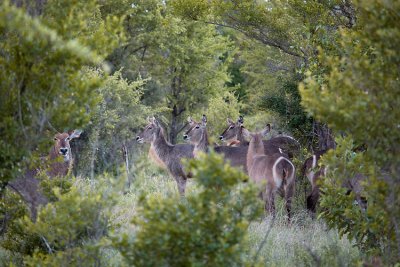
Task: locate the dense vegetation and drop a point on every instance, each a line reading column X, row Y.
column 325, row 72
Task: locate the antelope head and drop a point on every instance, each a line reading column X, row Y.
column 196, row 130
column 149, row 132
column 249, row 135
column 62, row 146
column 233, row 130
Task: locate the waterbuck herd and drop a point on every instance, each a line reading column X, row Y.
column 267, row 162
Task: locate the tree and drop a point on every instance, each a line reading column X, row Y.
column 357, row 93
column 109, row 141
column 185, row 60
column 44, row 88
column 42, row 84
column 289, row 29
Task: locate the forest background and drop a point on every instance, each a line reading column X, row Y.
column 325, row 72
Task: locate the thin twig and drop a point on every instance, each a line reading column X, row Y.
column 264, row 241
column 47, row 244
column 20, row 90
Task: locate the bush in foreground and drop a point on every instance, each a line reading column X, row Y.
column 208, row 227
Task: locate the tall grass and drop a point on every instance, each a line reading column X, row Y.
column 303, row 242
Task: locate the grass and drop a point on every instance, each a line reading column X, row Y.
column 304, row 242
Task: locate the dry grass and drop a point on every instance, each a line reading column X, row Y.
column 305, row 242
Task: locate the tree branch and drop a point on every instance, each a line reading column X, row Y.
column 254, row 36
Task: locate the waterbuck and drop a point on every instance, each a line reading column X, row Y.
column 59, row 163
column 313, row 174
column 274, row 173
column 198, row 136
column 165, row 154
column 233, row 135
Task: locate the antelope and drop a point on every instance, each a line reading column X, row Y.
column 198, row 136
column 315, row 173
column 165, row 154
column 59, row 163
column 233, row 135
column 274, row 171
column 309, row 170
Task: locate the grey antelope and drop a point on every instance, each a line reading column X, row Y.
column 233, row 135
column 314, row 173
column 198, row 136
column 165, row 154
column 59, row 162
column 274, row 173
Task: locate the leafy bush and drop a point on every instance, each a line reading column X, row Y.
column 206, row 228
column 111, row 128
column 68, row 230
column 355, row 88
column 370, row 228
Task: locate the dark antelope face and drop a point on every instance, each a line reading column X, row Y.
column 149, row 132
column 233, row 130
column 196, row 130
column 62, row 146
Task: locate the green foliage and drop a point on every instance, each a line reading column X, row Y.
column 219, row 108
column 116, row 117
column 187, row 61
column 42, row 86
column 358, row 94
column 79, row 218
column 285, row 100
column 206, row 228
column 68, row 230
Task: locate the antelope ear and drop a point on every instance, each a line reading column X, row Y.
column 240, row 120
column 155, row 122
column 229, row 121
column 74, row 134
column 246, row 133
column 266, row 130
column 190, row 120
column 204, row 120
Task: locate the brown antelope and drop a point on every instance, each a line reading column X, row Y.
column 59, row 163
column 274, row 173
column 233, row 135
column 165, row 154
column 198, row 136
column 313, row 174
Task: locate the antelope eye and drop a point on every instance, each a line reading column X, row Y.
column 67, row 139
column 150, row 128
column 231, row 127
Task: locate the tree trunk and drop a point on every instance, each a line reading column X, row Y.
column 175, row 127
column 324, row 135
column 34, row 8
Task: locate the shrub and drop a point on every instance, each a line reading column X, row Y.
column 208, row 227
column 68, row 231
